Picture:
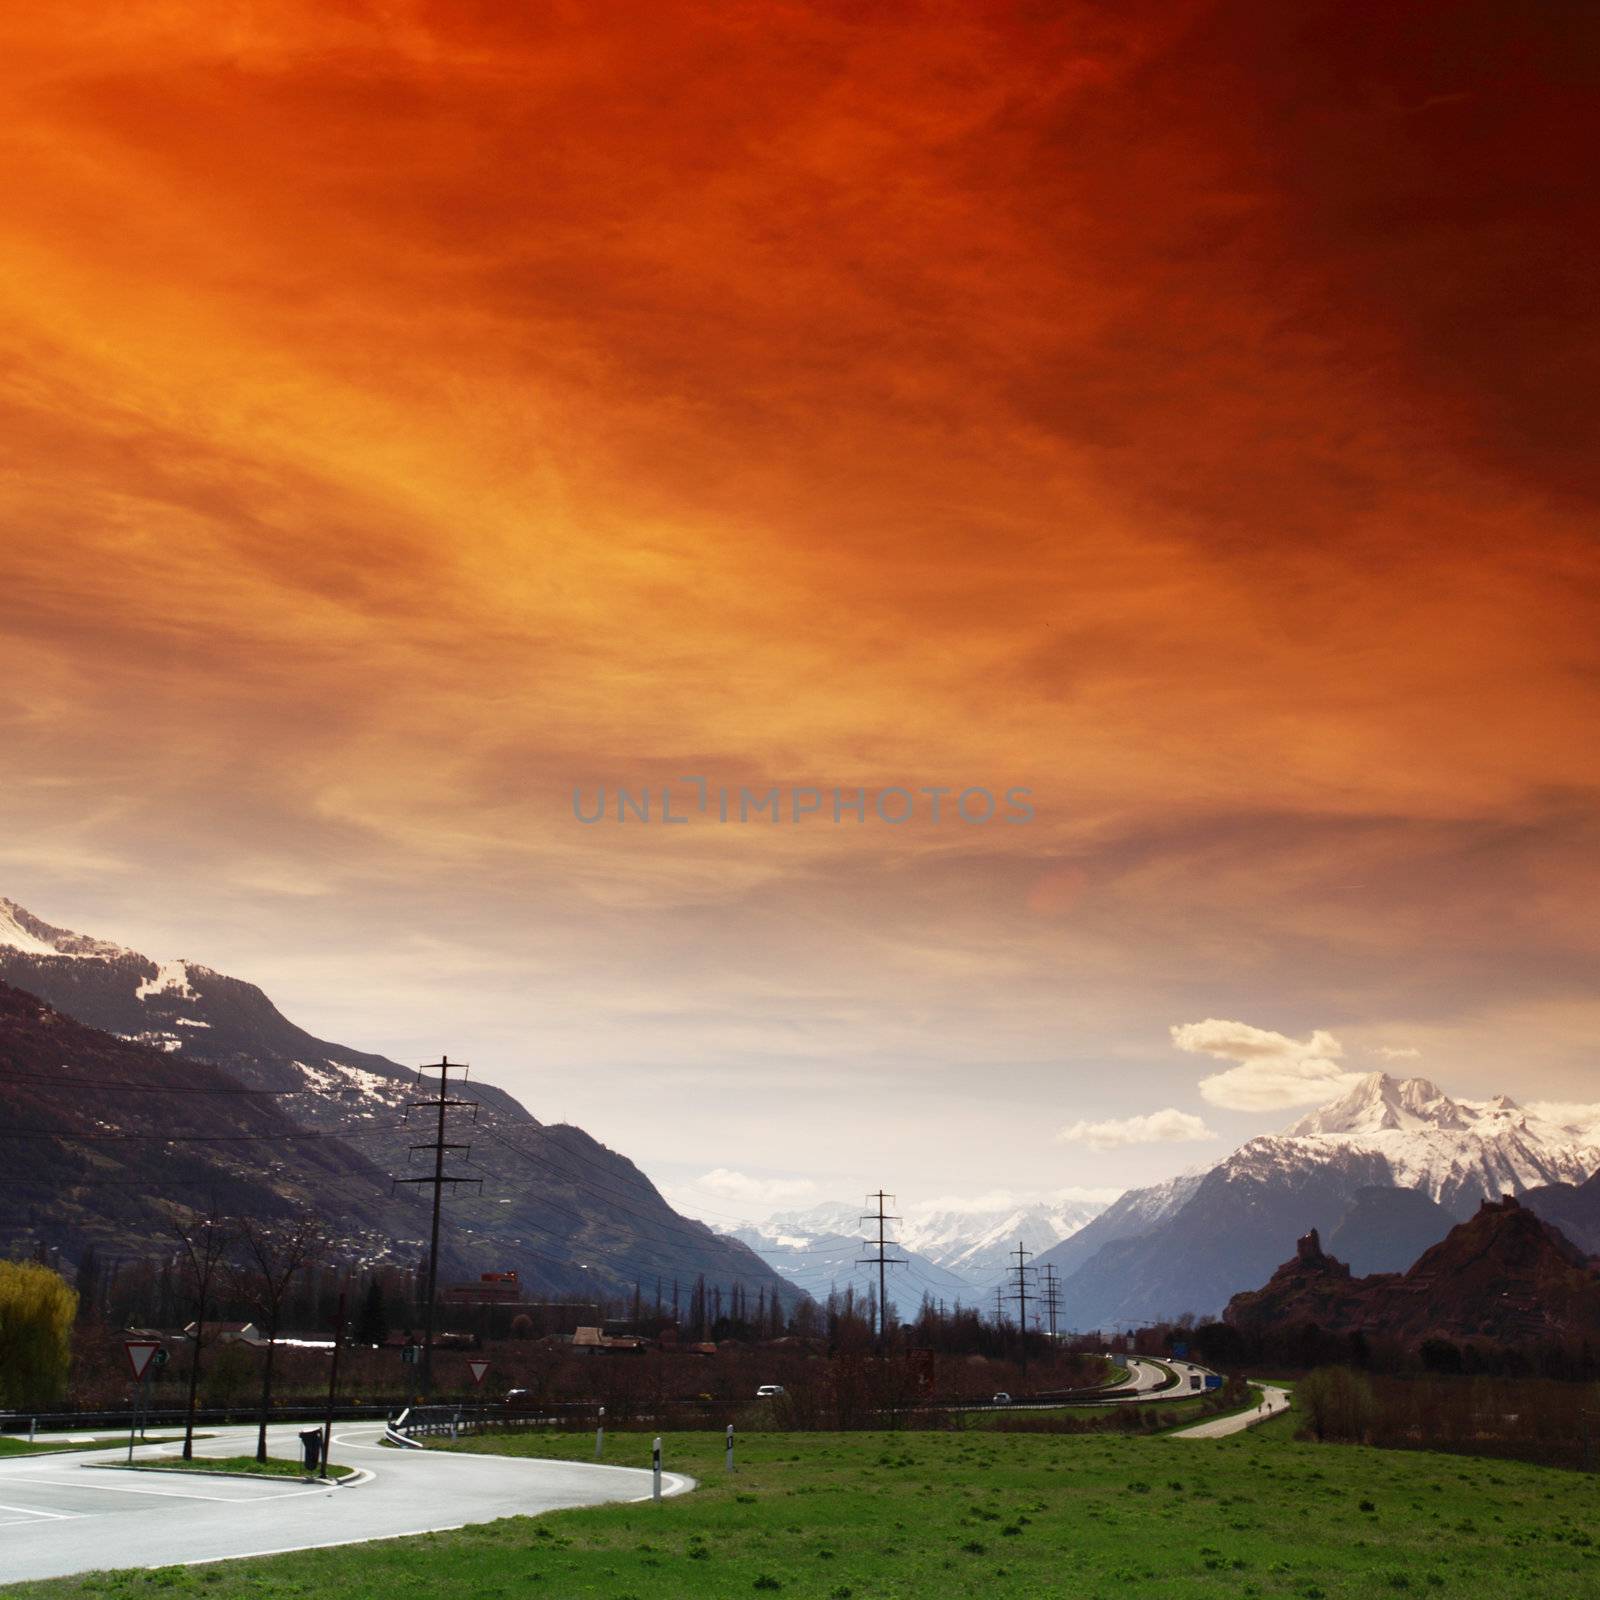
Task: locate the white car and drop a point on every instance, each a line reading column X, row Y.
column 769, row 1391
column 1001, row 1399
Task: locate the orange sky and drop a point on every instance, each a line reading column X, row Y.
column 1185, row 410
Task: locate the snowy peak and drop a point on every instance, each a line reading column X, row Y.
column 969, row 1240
column 1381, row 1104
column 21, row 930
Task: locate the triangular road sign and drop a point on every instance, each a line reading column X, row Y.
column 140, row 1354
column 477, row 1368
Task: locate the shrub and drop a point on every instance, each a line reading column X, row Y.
column 1336, row 1403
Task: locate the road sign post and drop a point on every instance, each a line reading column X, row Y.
column 140, row 1353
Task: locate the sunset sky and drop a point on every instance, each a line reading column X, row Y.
column 412, row 412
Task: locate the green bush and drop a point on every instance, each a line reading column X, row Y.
column 1336, row 1403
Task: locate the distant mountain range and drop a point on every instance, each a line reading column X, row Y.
column 1193, row 1242
column 568, row 1214
column 950, row 1252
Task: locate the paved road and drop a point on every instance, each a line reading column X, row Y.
column 1274, row 1402
column 59, row 1515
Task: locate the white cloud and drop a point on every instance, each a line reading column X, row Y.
column 1273, row 1070
column 731, row 1185
column 1168, row 1126
column 1392, row 1052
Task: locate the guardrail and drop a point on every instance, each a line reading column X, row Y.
column 174, row 1416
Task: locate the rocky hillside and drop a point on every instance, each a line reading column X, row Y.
column 106, row 1141
column 569, row 1214
column 1505, row 1276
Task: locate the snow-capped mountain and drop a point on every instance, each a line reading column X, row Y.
column 975, row 1241
column 569, row 1214
column 952, row 1249
column 826, row 1255
column 1457, row 1152
column 1190, row 1244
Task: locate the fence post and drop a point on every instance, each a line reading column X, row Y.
column 600, row 1435
column 655, row 1467
column 729, row 1462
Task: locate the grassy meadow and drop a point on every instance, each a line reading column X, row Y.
column 869, row 1516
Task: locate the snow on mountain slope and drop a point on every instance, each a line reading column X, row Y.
column 20, row 930
column 1243, row 1215
column 1457, row 1152
column 568, row 1213
column 829, row 1258
column 975, row 1240
column 961, row 1245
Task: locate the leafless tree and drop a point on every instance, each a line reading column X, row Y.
column 270, row 1259
column 203, row 1242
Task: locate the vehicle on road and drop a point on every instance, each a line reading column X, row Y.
column 1001, row 1399
column 769, row 1391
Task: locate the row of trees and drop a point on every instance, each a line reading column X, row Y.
column 1529, row 1419
column 1303, row 1346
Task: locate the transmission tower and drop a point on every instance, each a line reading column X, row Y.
column 437, row 1179
column 1052, row 1296
column 1020, row 1287
column 880, row 1245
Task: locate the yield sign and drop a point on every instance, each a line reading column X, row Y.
column 140, row 1352
column 477, row 1368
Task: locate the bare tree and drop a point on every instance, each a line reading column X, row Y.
column 203, row 1242
column 271, row 1259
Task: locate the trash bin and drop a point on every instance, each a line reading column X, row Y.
column 311, row 1447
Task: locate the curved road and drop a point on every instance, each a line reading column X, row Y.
column 61, row 1515
column 1273, row 1402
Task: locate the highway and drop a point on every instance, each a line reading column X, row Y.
column 60, row 1515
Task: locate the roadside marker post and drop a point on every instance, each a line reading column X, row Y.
column 729, row 1462
column 655, row 1467
column 600, row 1435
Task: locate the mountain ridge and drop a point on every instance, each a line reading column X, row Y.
column 566, row 1211
column 1188, row 1246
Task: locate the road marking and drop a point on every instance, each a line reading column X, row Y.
column 161, row 1494
column 35, row 1511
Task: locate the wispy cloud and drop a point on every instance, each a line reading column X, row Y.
column 1274, row 1071
column 1168, row 1126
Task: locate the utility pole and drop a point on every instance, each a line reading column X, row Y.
column 1052, row 1297
column 1022, row 1269
column 438, row 1178
column 881, row 1243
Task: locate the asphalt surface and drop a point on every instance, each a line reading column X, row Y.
column 1273, row 1403
column 61, row 1515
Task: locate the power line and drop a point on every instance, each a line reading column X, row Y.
column 1052, row 1296
column 884, row 1261
column 1022, row 1269
column 443, row 1104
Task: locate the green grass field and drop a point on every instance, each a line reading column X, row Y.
column 874, row 1516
